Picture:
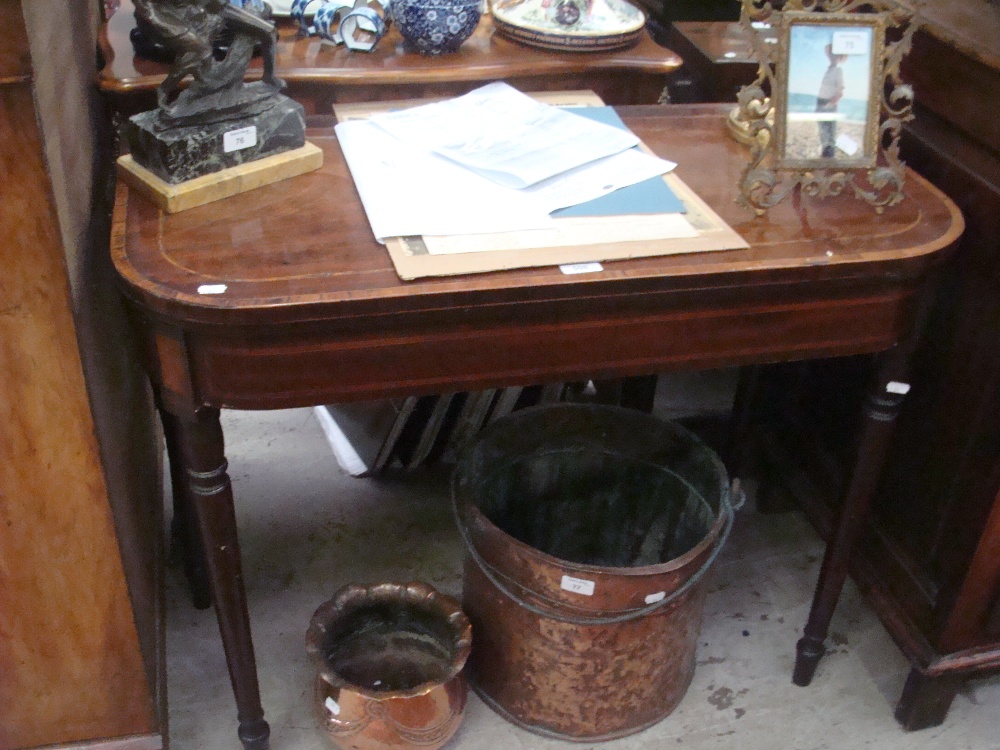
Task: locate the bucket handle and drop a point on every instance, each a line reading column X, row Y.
column 728, row 509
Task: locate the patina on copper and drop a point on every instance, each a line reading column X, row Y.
column 590, row 530
column 389, row 659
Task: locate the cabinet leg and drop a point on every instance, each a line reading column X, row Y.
column 926, row 699
column 183, row 530
column 639, row 392
column 738, row 431
column 881, row 408
column 201, row 446
column 772, row 495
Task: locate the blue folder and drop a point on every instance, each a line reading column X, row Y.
column 652, row 196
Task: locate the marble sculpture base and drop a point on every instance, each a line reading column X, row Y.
column 181, row 153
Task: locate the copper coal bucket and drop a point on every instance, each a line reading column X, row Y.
column 589, row 531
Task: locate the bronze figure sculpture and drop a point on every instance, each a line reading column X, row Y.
column 186, row 136
column 190, row 27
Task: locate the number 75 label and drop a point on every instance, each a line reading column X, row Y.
column 850, row 42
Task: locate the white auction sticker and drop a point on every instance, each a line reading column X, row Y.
column 578, row 585
column 237, row 140
column 212, row 289
column 850, row 42
column 332, row 706
column 847, row 144
column 571, row 268
column 894, row 386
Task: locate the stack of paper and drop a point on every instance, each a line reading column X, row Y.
column 497, row 180
column 492, row 161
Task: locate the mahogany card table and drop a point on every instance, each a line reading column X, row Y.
column 304, row 308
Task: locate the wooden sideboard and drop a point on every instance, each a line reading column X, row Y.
column 320, row 75
column 930, row 559
column 939, row 507
column 717, row 58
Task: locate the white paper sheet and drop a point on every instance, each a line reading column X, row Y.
column 571, row 232
column 598, row 178
column 506, row 135
column 407, row 192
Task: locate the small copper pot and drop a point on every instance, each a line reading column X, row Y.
column 389, row 660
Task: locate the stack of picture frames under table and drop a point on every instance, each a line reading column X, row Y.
column 369, row 437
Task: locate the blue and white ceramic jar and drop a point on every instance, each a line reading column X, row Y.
column 436, row 26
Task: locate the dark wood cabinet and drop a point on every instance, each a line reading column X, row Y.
column 929, row 561
column 79, row 605
column 718, row 60
column 938, row 507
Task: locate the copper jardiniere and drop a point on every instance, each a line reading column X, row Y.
column 389, row 660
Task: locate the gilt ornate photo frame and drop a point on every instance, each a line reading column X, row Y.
column 826, row 111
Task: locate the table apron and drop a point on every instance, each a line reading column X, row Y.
column 285, row 366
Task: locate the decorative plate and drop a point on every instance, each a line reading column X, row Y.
column 281, row 7
column 584, row 25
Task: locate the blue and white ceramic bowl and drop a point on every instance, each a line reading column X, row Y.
column 436, row 26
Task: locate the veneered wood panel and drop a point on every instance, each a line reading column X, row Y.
column 485, row 353
column 954, row 84
column 78, row 150
column 70, row 667
column 15, row 62
column 940, row 482
column 973, row 618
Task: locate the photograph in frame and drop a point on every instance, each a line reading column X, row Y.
column 828, row 103
column 826, row 111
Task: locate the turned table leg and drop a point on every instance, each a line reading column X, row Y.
column 201, row 447
column 881, row 407
column 183, row 530
column 880, row 410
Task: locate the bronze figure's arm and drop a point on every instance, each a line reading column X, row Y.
column 262, row 30
column 190, row 27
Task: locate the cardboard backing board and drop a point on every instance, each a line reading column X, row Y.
column 412, row 260
column 364, row 110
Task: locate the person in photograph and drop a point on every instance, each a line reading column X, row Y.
column 831, row 91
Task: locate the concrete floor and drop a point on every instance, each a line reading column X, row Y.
column 306, row 529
